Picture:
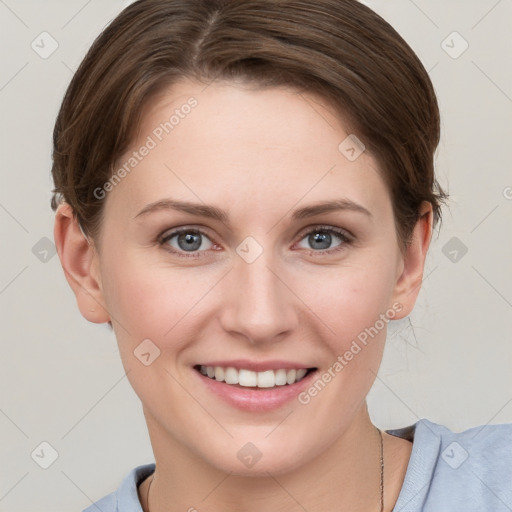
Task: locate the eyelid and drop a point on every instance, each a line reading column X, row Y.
column 170, row 233
column 325, row 227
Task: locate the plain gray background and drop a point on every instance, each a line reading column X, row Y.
column 61, row 379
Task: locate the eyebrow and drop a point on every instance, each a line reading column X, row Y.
column 212, row 212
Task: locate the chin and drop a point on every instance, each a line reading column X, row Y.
column 258, row 459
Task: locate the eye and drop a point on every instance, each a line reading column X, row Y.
column 186, row 240
column 321, row 237
column 190, row 242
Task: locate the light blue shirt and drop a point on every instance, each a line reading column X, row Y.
column 469, row 471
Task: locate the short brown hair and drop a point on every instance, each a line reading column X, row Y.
column 338, row 49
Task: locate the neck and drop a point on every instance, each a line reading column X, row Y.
column 345, row 476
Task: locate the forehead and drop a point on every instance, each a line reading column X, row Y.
column 236, row 145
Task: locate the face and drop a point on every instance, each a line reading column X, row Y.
column 215, row 254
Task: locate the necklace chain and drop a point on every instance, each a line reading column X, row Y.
column 381, row 471
column 381, row 476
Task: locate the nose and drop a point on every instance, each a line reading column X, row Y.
column 257, row 303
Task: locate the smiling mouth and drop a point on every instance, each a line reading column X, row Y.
column 251, row 379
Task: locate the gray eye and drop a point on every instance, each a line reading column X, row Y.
column 188, row 241
column 322, row 239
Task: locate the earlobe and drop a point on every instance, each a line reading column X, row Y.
column 410, row 274
column 78, row 258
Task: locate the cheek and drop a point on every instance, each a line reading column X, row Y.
column 148, row 300
column 349, row 299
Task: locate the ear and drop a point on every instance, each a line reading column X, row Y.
column 79, row 260
column 410, row 269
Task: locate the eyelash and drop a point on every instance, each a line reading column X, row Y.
column 343, row 235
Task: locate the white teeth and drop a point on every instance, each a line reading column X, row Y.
column 280, row 377
column 230, row 375
column 219, row 373
column 249, row 378
column 301, row 373
column 266, row 379
column 290, row 376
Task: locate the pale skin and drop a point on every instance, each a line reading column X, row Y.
column 259, row 155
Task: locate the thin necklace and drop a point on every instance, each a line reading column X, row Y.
column 381, row 476
column 381, row 471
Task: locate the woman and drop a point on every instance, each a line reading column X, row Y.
column 245, row 192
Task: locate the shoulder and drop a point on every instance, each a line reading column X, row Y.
column 125, row 498
column 469, row 470
column 483, row 435
column 485, row 449
column 105, row 504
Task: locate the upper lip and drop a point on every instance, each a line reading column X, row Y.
column 257, row 366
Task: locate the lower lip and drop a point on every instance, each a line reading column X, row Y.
column 256, row 400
